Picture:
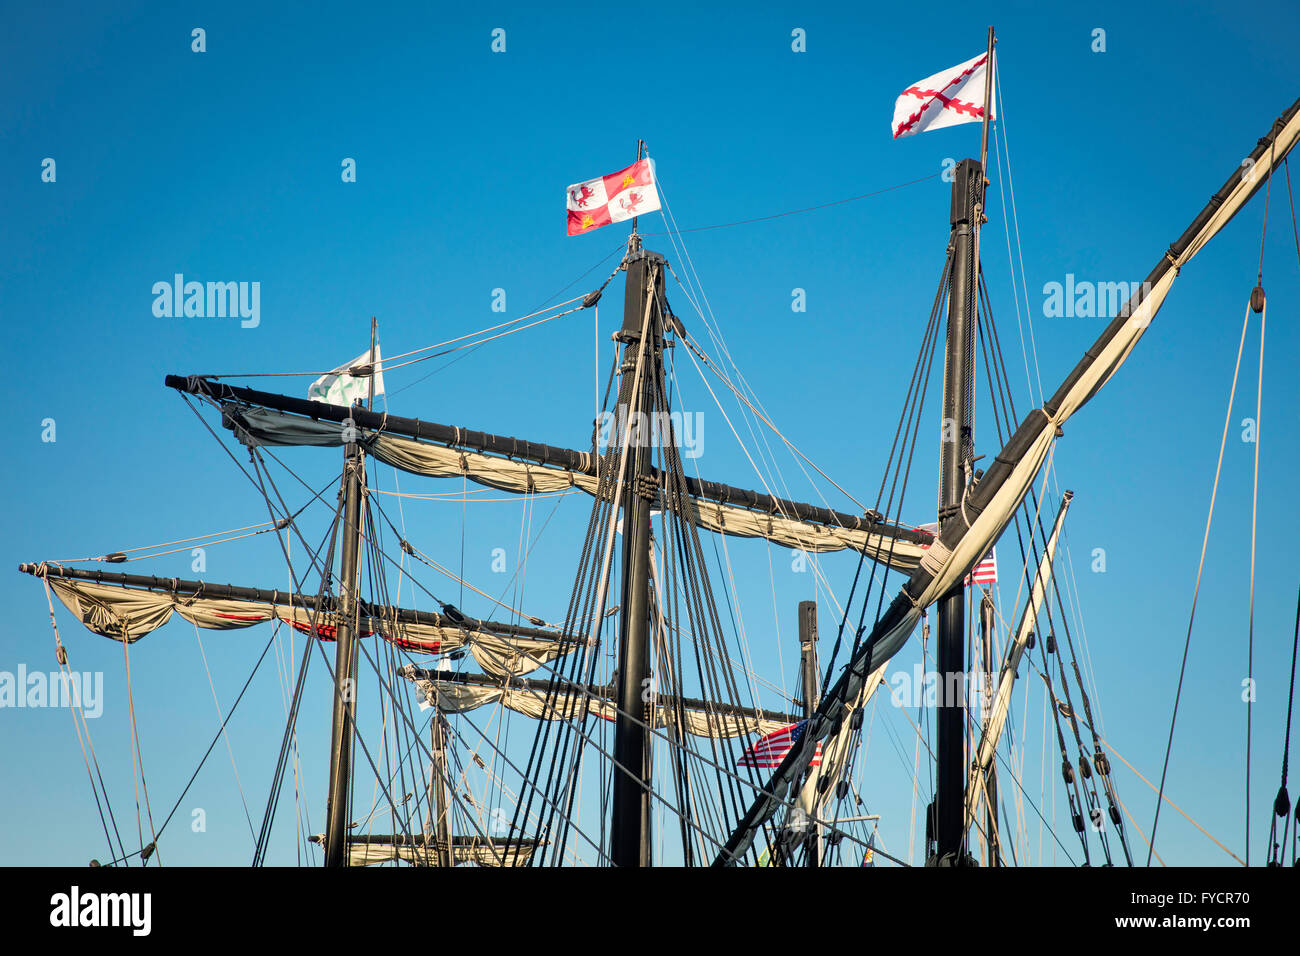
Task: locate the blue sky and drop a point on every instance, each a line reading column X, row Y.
column 225, row 166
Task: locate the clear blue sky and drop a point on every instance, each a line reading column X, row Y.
column 225, row 165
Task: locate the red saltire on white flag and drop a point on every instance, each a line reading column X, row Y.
column 613, row 198
column 945, row 99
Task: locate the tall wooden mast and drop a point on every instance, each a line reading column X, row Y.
column 345, row 662
column 639, row 383
column 957, row 451
column 343, row 728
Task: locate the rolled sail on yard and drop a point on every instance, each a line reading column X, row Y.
column 546, row 703
column 254, row 425
column 992, row 732
column 127, row 613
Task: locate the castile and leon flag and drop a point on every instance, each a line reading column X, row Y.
column 945, row 99
column 613, row 198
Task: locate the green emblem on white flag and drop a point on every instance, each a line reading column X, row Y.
column 340, row 388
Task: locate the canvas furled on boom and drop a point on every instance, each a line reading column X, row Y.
column 991, row 502
column 455, row 698
column 116, row 611
column 368, row 850
column 269, row 427
column 813, row 796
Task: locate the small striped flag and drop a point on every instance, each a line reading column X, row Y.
column 772, row 748
column 869, row 858
column 986, row 572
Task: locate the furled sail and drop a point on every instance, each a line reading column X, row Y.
column 369, row 850
column 990, row 502
column 519, row 466
column 459, row 693
column 269, row 427
column 815, row 794
column 128, row 613
column 1001, row 703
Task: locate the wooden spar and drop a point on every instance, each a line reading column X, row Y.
column 956, row 453
column 438, row 771
column 639, row 386
column 605, row 692
column 370, row 614
column 343, row 728
column 980, row 218
column 811, row 670
column 522, row 450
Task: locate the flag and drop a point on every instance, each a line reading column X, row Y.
column 945, row 99
column 986, row 572
column 869, row 858
column 613, row 198
column 772, row 748
column 339, row 388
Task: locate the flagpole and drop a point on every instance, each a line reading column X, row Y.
column 980, row 218
column 370, row 401
column 640, row 147
column 988, row 102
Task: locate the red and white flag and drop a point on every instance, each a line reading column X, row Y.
column 771, row 748
column 613, row 198
column 986, row 572
column 945, row 99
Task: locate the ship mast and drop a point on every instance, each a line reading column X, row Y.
column 957, row 451
column 345, row 662
column 810, row 670
column 639, row 383
column 345, row 657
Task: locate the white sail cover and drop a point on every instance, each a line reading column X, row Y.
column 269, row 427
column 416, row 850
column 127, row 613
column 991, row 502
column 452, row 697
column 813, row 797
column 1001, row 705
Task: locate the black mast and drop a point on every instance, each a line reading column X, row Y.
column 956, row 454
column 811, row 671
column 345, row 662
column 957, row 451
column 639, row 380
column 438, row 780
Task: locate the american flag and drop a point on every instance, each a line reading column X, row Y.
column 772, row 748
column 986, row 572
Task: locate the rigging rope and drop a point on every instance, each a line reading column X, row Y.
column 1282, row 803
column 795, row 212
column 1182, row 671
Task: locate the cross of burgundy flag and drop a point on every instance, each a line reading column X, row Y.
column 945, row 99
column 613, row 198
